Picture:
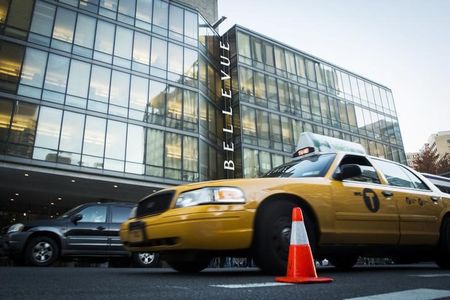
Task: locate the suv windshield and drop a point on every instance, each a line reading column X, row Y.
column 311, row 166
column 69, row 212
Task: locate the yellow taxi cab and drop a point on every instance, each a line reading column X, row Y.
column 353, row 205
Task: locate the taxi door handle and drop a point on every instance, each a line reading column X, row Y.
column 101, row 228
column 435, row 198
column 387, row 193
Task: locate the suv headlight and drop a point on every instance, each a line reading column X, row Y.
column 15, row 228
column 213, row 195
column 133, row 213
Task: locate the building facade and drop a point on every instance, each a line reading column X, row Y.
column 440, row 142
column 280, row 92
column 115, row 99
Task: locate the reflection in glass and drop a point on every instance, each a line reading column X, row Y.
column 94, row 136
column 84, row 35
column 175, row 63
column 34, row 63
column 160, row 13
column 176, row 19
column 72, row 132
column 190, row 63
column 190, row 25
column 49, row 125
column 135, row 143
column 190, row 154
column 11, row 56
column 120, row 85
column 56, row 75
column 157, row 102
column 138, row 93
column 141, row 51
column 99, row 86
column 115, row 140
column 173, row 151
column 243, row 42
column 246, row 81
column 43, row 18
column 124, row 41
column 78, row 78
column 144, row 10
column 251, row 164
column 190, row 110
column 6, row 107
column 174, row 107
column 22, row 132
column 104, row 38
column 248, row 121
column 159, row 53
column 64, row 25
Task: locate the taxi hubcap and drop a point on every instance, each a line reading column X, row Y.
column 42, row 252
column 146, row 258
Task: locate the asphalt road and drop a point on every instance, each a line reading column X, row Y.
column 413, row 281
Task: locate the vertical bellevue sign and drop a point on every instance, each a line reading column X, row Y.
column 227, row 111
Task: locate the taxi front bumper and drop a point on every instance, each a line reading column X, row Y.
column 205, row 227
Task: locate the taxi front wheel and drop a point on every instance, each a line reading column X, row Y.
column 191, row 264
column 272, row 235
column 443, row 258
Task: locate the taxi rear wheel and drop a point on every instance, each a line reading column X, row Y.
column 193, row 264
column 272, row 236
column 443, row 257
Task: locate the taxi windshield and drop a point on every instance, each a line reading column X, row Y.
column 311, row 166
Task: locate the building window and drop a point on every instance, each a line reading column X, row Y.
column 11, row 56
column 22, row 132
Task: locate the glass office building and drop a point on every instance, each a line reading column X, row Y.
column 114, row 99
column 108, row 88
column 280, row 92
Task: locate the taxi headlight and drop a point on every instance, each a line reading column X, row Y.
column 216, row 195
column 15, row 228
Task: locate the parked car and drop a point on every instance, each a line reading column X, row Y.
column 89, row 231
column 353, row 205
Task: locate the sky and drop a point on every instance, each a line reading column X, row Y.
column 401, row 44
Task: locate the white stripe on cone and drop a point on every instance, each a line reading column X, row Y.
column 298, row 234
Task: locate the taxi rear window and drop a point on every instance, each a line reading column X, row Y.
column 311, row 166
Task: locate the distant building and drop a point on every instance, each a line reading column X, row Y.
column 440, row 142
column 410, row 157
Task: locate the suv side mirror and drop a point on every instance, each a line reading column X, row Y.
column 74, row 219
column 348, row 171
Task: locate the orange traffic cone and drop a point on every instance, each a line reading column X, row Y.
column 301, row 268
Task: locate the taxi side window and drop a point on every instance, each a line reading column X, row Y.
column 395, row 174
column 418, row 183
column 368, row 171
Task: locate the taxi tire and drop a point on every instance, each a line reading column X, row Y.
column 41, row 242
column 443, row 256
column 269, row 248
column 343, row 262
column 193, row 265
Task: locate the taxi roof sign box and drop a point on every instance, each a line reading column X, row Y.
column 322, row 143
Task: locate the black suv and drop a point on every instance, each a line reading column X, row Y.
column 89, row 231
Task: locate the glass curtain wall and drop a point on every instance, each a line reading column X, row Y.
column 283, row 92
column 120, row 93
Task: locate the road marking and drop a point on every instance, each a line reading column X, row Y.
column 250, row 285
column 418, row 294
column 431, row 275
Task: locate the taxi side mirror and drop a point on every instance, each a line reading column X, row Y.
column 348, row 171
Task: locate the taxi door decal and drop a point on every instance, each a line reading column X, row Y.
column 371, row 200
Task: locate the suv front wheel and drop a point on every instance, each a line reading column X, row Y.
column 41, row 251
